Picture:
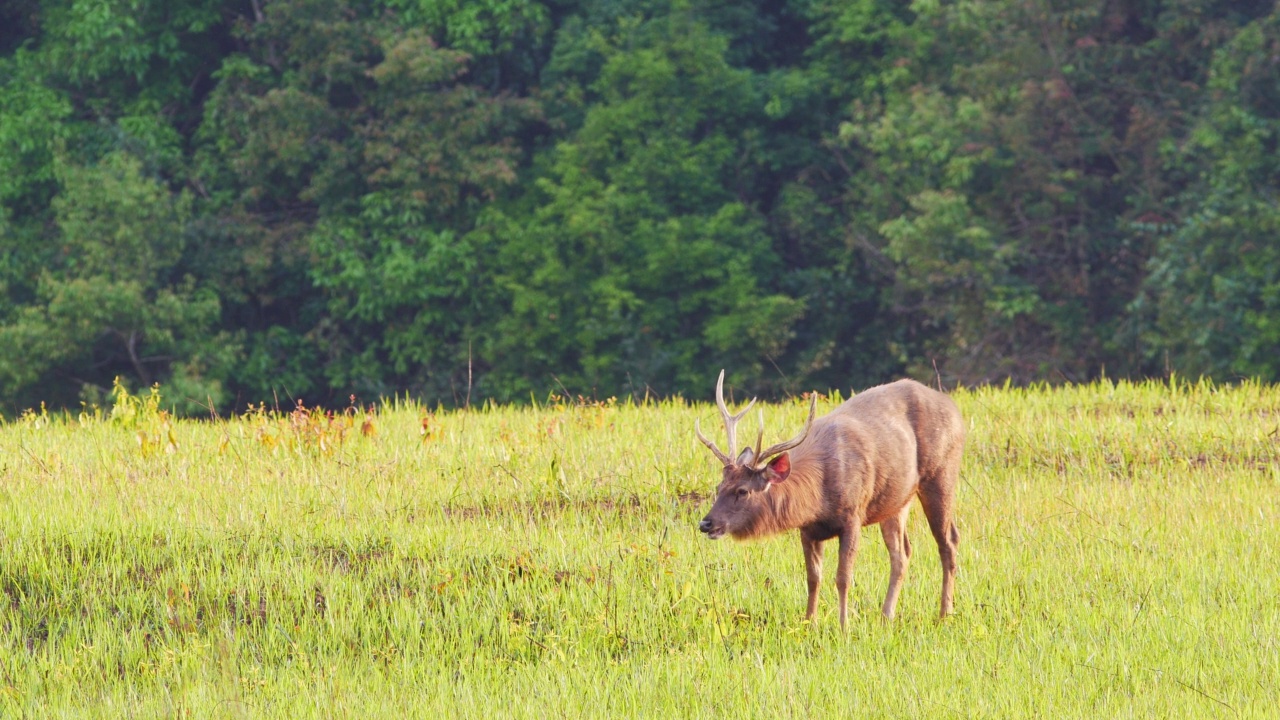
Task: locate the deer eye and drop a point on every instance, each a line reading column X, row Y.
column 742, row 492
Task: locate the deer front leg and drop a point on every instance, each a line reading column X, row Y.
column 813, row 568
column 844, row 571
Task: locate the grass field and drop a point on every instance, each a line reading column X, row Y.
column 1120, row 557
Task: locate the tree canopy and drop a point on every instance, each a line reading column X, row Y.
column 503, row 198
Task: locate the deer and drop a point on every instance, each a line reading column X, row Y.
column 860, row 464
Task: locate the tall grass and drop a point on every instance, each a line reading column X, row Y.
column 1119, row 558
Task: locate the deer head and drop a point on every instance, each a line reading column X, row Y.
column 741, row 500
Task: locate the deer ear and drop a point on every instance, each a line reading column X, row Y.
column 779, row 468
column 746, row 457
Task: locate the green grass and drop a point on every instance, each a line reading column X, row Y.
column 1119, row 558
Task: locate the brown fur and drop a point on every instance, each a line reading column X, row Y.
column 861, row 464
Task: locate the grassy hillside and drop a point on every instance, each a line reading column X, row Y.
column 1118, row 558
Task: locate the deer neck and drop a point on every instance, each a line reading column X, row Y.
column 796, row 501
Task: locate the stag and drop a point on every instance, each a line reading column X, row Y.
column 860, row 464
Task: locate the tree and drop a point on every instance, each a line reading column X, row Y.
column 116, row 306
column 641, row 266
column 352, row 156
column 1211, row 301
column 91, row 98
column 1002, row 168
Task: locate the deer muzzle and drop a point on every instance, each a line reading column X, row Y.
column 711, row 529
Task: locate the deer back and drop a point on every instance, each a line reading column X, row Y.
column 871, row 452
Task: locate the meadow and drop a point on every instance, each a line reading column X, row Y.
column 1119, row 558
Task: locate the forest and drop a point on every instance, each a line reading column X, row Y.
column 274, row 200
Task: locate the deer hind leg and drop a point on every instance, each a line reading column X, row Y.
column 894, row 531
column 813, row 568
column 937, row 500
column 844, row 570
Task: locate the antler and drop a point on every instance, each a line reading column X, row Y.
column 730, row 424
column 723, row 458
column 762, row 458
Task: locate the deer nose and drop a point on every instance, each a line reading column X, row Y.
column 705, row 525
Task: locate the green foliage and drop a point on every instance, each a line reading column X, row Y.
column 485, row 27
column 1016, row 145
column 116, row 300
column 472, row 200
column 1212, row 299
column 641, row 264
column 358, row 163
column 31, row 130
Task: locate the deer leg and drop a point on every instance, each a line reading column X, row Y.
column 813, row 568
column 844, row 571
column 937, row 508
column 895, row 539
